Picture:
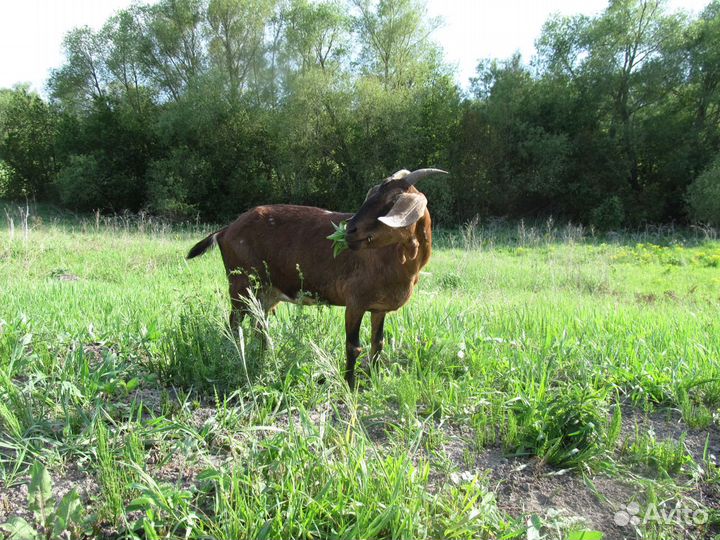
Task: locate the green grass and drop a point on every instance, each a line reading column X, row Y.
column 117, row 374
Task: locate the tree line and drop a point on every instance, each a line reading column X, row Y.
column 207, row 107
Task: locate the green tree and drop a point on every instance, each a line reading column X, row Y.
column 702, row 88
column 626, row 66
column 395, row 40
column 171, row 45
column 82, row 79
column 123, row 59
column 316, row 35
column 237, row 41
column 27, row 134
column 704, row 195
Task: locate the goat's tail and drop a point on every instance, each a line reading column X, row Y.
column 204, row 245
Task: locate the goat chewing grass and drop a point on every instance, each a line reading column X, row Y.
column 338, row 238
column 375, row 262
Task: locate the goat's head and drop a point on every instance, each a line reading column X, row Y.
column 389, row 211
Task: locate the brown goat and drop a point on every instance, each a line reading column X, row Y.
column 287, row 249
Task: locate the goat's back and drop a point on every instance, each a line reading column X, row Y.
column 287, row 246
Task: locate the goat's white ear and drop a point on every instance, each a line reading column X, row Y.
column 408, row 208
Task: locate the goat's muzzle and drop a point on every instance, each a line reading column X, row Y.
column 353, row 239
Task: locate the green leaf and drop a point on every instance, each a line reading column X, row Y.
column 141, row 503
column 585, row 535
column 18, row 529
column 68, row 515
column 39, row 492
column 210, row 474
column 338, row 238
column 265, row 530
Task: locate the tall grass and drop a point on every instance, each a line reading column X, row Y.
column 118, row 372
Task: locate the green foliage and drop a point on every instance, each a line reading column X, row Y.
column 317, row 34
column 597, row 132
column 171, row 181
column 394, row 37
column 609, row 215
column 704, row 196
column 118, row 372
column 27, row 136
column 206, row 108
column 673, row 255
column 664, row 457
column 78, row 183
column 6, row 176
column 39, row 493
column 104, row 154
column 338, row 238
column 567, row 427
column 64, row 519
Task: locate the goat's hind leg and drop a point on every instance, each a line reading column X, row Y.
column 242, row 304
column 269, row 298
column 238, row 300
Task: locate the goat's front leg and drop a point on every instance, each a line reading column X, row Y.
column 353, row 319
column 378, row 340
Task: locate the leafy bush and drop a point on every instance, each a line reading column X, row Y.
column 441, row 201
column 27, row 135
column 78, row 183
column 5, row 178
column 568, row 426
column 703, row 195
column 609, row 215
column 169, row 182
column 88, row 182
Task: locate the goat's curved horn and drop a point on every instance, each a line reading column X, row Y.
column 415, row 176
column 402, row 173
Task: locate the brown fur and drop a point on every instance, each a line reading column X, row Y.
column 286, row 247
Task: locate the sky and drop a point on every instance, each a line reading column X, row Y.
column 31, row 31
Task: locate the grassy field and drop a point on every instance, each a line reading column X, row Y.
column 542, row 383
